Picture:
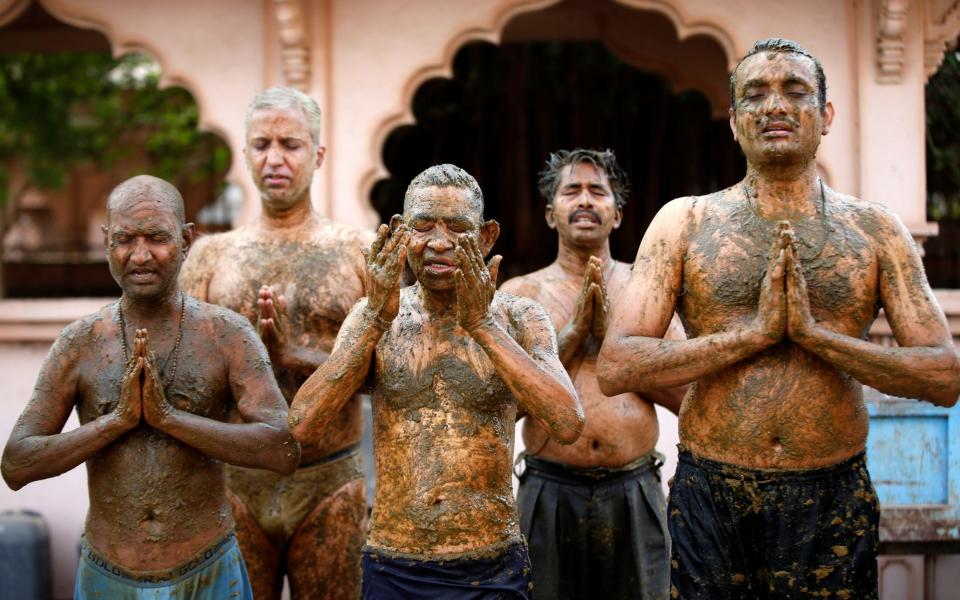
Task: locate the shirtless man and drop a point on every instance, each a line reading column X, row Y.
column 452, row 361
column 295, row 275
column 592, row 512
column 777, row 280
column 159, row 414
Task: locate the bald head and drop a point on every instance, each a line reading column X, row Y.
column 146, row 188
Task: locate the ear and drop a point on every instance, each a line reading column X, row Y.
column 395, row 222
column 733, row 124
column 827, row 118
column 188, row 235
column 618, row 217
column 106, row 239
column 489, row 232
column 321, row 152
column 550, row 216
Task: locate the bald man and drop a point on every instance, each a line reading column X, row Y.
column 167, row 390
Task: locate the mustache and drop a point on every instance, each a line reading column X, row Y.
column 584, row 211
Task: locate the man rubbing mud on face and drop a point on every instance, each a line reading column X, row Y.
column 777, row 281
column 167, row 390
column 452, row 362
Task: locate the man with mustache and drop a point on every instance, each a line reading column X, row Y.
column 593, row 512
column 777, row 280
column 295, row 275
column 167, row 389
column 450, row 361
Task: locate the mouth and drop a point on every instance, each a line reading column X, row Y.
column 584, row 218
column 142, row 275
column 439, row 266
column 777, row 129
column 275, row 180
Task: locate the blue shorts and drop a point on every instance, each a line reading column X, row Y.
column 217, row 573
column 505, row 576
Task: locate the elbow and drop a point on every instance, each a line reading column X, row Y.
column 290, row 458
column 609, row 380
column 12, row 476
column 569, row 432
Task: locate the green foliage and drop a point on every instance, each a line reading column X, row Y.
column 943, row 140
column 59, row 111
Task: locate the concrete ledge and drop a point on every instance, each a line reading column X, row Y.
column 42, row 319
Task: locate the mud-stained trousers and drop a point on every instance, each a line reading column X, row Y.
column 596, row 533
column 769, row 534
column 216, row 573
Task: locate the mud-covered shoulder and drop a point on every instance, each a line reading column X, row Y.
column 528, row 285
column 875, row 220
column 528, row 319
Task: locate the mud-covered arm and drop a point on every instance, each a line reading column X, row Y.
column 671, row 398
column 533, row 371
column 37, row 449
column 198, row 268
column 925, row 364
column 635, row 358
column 262, row 440
column 322, row 396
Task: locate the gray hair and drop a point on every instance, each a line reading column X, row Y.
column 445, row 175
column 147, row 187
column 287, row 98
column 787, row 47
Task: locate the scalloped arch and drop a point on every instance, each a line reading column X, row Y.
column 492, row 32
column 122, row 43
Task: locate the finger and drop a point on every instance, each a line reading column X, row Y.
column 282, row 304
column 779, row 267
column 493, row 267
column 378, row 243
column 391, row 244
column 476, row 258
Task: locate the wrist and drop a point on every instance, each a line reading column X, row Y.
column 373, row 318
column 479, row 326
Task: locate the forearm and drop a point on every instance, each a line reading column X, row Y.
column 669, row 398
column 569, row 341
column 37, row 457
column 925, row 372
column 540, row 393
column 302, row 360
column 323, row 394
column 644, row 364
column 256, row 445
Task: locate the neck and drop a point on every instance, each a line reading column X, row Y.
column 295, row 215
column 161, row 308
column 573, row 259
column 781, row 192
column 439, row 304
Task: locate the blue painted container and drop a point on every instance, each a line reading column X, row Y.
column 913, row 452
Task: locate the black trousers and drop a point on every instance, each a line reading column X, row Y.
column 595, row 533
column 758, row 533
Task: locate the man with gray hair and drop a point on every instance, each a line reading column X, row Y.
column 450, row 361
column 295, row 275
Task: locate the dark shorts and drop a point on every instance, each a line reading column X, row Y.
column 757, row 533
column 503, row 576
column 595, row 533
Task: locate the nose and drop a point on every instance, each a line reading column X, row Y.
column 585, row 199
column 274, row 155
column 774, row 103
column 141, row 252
column 440, row 240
